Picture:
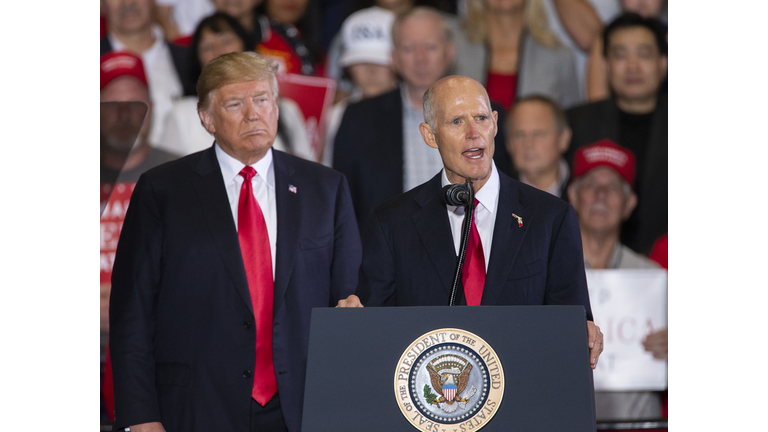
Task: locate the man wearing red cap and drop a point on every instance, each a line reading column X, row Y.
column 602, row 195
column 124, row 157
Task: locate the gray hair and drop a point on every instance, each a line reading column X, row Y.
column 428, row 104
column 420, row 11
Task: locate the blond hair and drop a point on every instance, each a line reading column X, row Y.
column 476, row 28
column 234, row 68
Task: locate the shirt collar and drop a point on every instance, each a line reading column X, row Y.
column 563, row 173
column 231, row 167
column 408, row 109
column 488, row 196
column 157, row 32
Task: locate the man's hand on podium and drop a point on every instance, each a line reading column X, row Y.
column 354, row 301
column 595, row 337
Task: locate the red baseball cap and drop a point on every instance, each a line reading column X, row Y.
column 608, row 154
column 117, row 64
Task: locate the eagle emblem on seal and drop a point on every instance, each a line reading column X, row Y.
column 449, row 375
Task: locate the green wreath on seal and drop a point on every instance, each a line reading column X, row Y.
column 428, row 395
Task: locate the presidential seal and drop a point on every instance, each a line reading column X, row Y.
column 449, row 380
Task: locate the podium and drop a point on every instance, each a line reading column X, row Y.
column 356, row 354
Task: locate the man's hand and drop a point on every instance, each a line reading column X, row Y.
column 595, row 337
column 351, row 301
column 148, row 427
column 656, row 344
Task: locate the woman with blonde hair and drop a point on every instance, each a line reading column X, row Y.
column 515, row 54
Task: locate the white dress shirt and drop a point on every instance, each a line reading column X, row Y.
column 164, row 82
column 263, row 189
column 485, row 214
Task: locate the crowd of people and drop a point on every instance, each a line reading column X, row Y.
column 579, row 86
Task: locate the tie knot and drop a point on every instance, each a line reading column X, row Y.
column 248, row 173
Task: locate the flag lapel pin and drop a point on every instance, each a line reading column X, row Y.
column 292, row 189
column 519, row 220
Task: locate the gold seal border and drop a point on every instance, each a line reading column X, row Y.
column 470, row 341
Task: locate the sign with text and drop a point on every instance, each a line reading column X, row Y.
column 314, row 95
column 118, row 196
column 627, row 306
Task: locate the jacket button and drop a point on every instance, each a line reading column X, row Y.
column 246, row 324
column 246, row 374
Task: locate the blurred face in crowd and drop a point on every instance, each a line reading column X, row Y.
column 644, row 8
column 286, row 11
column 372, row 79
column 502, row 6
column 128, row 16
column 236, row 8
column 636, row 68
column 243, row 119
column 421, row 53
column 465, row 127
column 535, row 143
column 602, row 200
column 213, row 45
column 120, row 123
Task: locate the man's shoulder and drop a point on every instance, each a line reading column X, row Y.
column 590, row 109
column 633, row 260
column 529, row 195
column 386, row 101
column 305, row 168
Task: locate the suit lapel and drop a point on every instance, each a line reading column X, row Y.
column 508, row 236
column 434, row 230
column 210, row 189
column 288, row 223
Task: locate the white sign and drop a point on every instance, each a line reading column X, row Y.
column 628, row 305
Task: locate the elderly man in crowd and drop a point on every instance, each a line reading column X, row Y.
column 525, row 248
column 132, row 29
column 602, row 195
column 635, row 50
column 378, row 145
column 222, row 257
column 537, row 140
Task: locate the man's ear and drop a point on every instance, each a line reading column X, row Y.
column 207, row 121
column 629, row 206
column 564, row 140
column 428, row 135
column 496, row 121
column 663, row 63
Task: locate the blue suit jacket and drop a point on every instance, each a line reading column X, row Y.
column 182, row 338
column 409, row 256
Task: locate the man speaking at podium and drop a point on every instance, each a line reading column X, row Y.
column 524, row 247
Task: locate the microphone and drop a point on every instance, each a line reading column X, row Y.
column 455, row 195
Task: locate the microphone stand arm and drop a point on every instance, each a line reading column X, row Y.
column 469, row 215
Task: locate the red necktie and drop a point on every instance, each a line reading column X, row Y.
column 257, row 259
column 473, row 271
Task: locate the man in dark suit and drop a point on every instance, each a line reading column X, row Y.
column 378, row 146
column 528, row 238
column 635, row 117
column 215, row 260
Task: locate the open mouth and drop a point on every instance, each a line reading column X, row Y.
column 473, row 153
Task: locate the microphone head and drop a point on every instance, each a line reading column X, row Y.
column 455, row 195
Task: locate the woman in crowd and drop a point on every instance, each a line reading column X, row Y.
column 216, row 35
column 295, row 33
column 514, row 53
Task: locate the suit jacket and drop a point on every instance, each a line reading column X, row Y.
column 368, row 150
column 409, row 256
column 182, row 336
column 599, row 120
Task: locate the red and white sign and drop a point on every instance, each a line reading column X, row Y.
column 628, row 305
column 314, row 95
column 112, row 223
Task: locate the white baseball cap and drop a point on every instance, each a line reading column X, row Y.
column 367, row 36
